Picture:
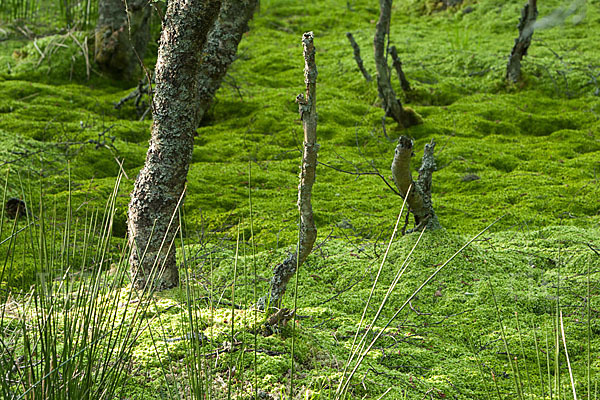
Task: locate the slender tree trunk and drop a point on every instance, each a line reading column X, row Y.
column 221, row 48
column 419, row 198
column 391, row 104
column 529, row 14
column 159, row 186
column 122, row 35
column 308, row 231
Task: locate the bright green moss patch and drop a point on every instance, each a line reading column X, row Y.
column 529, row 152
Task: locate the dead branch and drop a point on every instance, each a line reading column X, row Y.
column 144, row 88
column 398, row 67
column 357, row 57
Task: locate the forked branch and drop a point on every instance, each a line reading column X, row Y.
column 419, row 198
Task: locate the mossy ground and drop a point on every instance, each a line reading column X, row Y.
column 534, row 146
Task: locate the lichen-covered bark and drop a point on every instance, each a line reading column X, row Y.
column 357, row 57
column 221, row 48
column 419, row 198
column 529, row 14
column 308, row 231
column 160, row 184
column 398, row 67
column 122, row 35
column 391, row 104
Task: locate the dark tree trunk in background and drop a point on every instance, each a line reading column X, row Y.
column 221, row 48
column 161, row 182
column 419, row 198
column 529, row 14
column 308, row 231
column 391, row 104
column 121, row 36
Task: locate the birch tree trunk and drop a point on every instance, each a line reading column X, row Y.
column 121, row 36
column 529, row 14
column 221, row 48
column 308, row 231
column 158, row 188
column 419, row 198
column 392, row 106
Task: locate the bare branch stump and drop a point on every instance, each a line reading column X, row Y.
column 398, row 67
column 357, row 57
column 529, row 14
column 419, row 198
column 392, row 106
column 308, row 231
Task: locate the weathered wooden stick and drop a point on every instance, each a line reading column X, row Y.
column 398, row 67
column 419, row 198
column 529, row 14
column 308, row 231
column 357, row 57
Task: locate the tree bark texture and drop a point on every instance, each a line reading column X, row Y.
column 392, row 106
column 398, row 67
column 221, row 48
column 161, row 181
column 529, row 14
column 121, row 36
column 419, row 198
column 308, row 231
column 357, row 57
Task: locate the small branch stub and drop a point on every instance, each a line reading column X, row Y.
column 419, row 198
column 308, row 231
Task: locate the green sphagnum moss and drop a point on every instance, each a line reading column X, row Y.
column 530, row 151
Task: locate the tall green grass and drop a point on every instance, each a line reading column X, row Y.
column 72, row 335
column 11, row 10
column 71, row 14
